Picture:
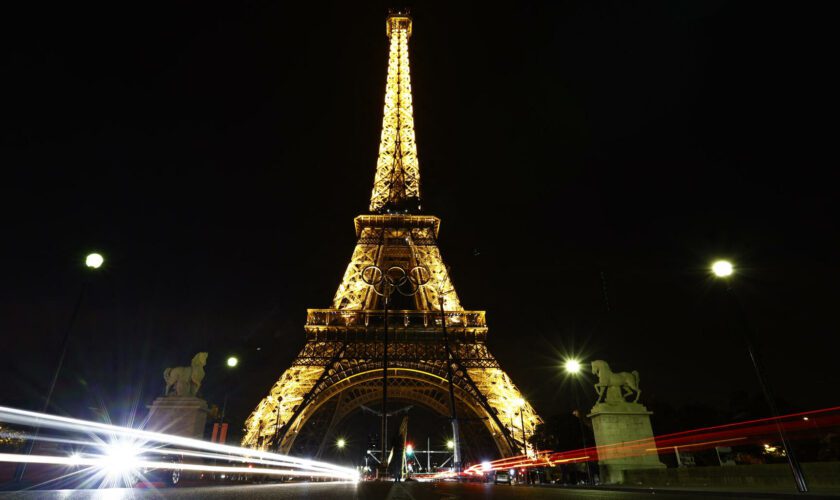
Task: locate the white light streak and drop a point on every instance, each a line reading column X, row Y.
column 143, row 442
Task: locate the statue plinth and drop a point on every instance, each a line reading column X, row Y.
column 178, row 415
column 624, row 438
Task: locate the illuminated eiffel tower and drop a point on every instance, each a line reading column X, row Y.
column 339, row 368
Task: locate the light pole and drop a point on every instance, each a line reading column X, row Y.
column 573, row 367
column 232, row 362
column 521, row 404
column 383, row 283
column 723, row 269
column 93, row 262
column 456, row 440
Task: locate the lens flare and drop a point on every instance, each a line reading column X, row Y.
column 722, row 268
column 117, row 456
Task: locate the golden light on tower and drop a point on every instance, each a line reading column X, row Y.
column 397, row 169
column 393, row 234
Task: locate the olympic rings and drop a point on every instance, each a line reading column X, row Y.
column 406, row 282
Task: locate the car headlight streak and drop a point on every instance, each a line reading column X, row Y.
column 122, row 450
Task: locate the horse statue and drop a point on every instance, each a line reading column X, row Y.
column 186, row 379
column 625, row 383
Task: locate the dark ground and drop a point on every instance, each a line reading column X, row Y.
column 370, row 490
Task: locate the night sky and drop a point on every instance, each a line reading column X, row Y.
column 587, row 159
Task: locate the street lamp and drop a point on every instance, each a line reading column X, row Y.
column 92, row 261
column 456, row 438
column 521, row 404
column 340, row 443
column 232, row 362
column 574, row 367
column 724, row 269
column 384, row 282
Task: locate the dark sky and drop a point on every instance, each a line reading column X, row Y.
column 216, row 155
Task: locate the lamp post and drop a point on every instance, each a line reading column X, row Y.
column 383, row 283
column 232, row 362
column 93, row 262
column 456, row 439
column 573, row 367
column 723, row 269
column 521, row 404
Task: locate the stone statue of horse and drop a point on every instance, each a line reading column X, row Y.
column 627, row 383
column 186, row 379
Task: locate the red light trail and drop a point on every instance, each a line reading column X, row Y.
column 757, row 431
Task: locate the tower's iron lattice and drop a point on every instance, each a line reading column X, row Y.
column 339, row 368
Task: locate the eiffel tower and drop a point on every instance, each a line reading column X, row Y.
column 339, row 369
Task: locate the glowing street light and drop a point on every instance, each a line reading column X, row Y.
column 340, row 443
column 572, row 366
column 722, row 268
column 94, row 261
column 450, row 444
column 232, row 362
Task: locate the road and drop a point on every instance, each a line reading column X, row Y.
column 363, row 490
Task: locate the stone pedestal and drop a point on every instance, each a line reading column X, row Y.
column 624, row 439
column 178, row 415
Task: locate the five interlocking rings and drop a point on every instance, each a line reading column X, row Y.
column 406, row 282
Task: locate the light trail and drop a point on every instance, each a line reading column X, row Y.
column 135, row 442
column 105, row 462
column 746, row 432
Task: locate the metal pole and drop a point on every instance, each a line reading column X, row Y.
column 746, row 330
column 456, row 460
column 428, row 455
column 524, row 442
column 65, row 343
column 388, row 284
column 582, row 434
column 224, row 407
column 384, row 463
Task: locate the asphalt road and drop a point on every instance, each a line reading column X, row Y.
column 363, row 490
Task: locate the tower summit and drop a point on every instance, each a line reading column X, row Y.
column 396, row 186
